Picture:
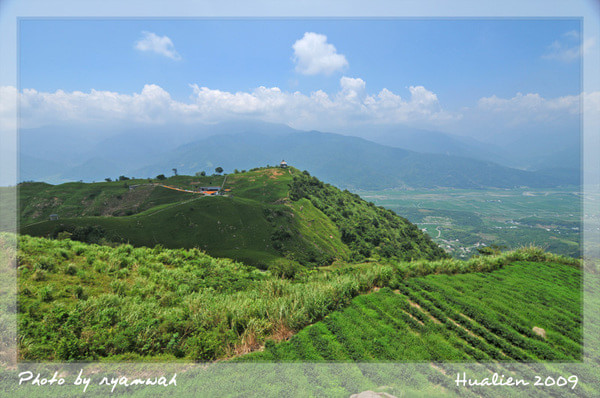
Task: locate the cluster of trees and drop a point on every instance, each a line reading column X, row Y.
column 120, row 178
column 162, row 177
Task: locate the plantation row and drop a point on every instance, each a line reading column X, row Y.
column 441, row 318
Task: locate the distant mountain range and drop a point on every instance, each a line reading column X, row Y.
column 345, row 161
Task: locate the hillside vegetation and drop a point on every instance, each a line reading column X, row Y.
column 271, row 217
column 81, row 301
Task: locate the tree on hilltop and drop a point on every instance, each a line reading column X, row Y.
column 219, row 170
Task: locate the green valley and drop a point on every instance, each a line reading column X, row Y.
column 462, row 221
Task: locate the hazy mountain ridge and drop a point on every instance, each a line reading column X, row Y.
column 346, row 161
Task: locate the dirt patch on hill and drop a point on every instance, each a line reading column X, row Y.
column 43, row 205
column 249, row 343
column 126, row 203
column 274, row 173
column 539, row 331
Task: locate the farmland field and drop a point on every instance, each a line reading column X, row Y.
column 497, row 316
column 461, row 221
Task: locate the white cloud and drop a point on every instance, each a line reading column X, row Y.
column 530, row 112
column 420, row 95
column 151, row 105
column 161, row 45
column 351, row 106
column 531, row 104
column 570, row 47
column 313, row 55
column 154, row 105
column 353, row 90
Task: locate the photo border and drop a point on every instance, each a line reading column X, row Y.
column 590, row 121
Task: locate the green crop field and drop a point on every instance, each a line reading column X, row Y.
column 461, row 221
column 478, row 316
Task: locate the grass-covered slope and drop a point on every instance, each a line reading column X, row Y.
column 366, row 229
column 270, row 217
column 79, row 301
column 476, row 316
column 37, row 200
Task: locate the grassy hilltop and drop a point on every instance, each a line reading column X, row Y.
column 270, row 217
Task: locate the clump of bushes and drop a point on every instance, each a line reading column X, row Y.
column 45, row 263
column 71, row 269
column 285, row 268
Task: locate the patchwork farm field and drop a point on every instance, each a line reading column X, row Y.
column 526, row 312
column 461, row 221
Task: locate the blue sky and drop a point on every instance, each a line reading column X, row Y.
column 484, row 91
column 474, row 77
column 459, row 60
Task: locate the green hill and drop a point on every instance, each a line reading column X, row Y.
column 269, row 217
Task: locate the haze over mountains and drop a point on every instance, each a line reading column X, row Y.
column 394, row 157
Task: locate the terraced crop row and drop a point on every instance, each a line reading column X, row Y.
column 472, row 317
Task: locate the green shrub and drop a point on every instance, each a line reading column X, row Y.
column 118, row 287
column 45, row 263
column 45, row 294
column 284, row 268
column 78, row 291
column 39, row 275
column 71, row 269
column 204, row 346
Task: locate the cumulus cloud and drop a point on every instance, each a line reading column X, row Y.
column 532, row 104
column 154, row 105
column 531, row 111
column 313, row 55
column 351, row 106
column 569, row 47
column 161, row 45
